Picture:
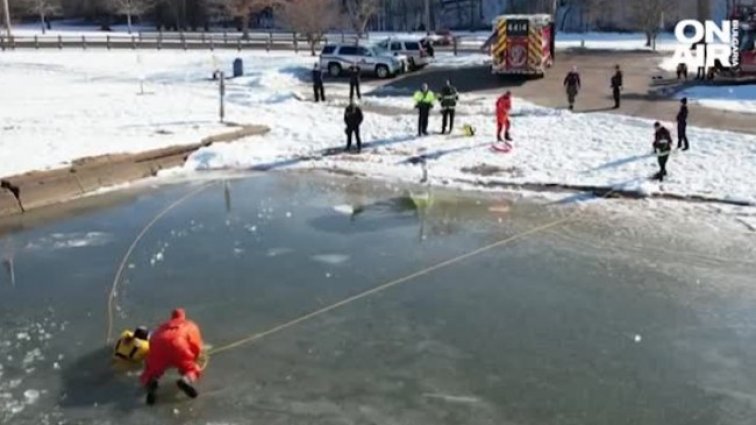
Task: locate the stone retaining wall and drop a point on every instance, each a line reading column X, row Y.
column 37, row 189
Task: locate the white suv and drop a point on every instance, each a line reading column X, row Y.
column 417, row 57
column 339, row 57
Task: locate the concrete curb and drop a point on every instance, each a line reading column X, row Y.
column 36, row 189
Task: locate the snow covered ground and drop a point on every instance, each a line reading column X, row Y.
column 59, row 106
column 728, row 98
column 614, row 41
column 74, row 103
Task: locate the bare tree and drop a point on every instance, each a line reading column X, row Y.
column 704, row 10
column 131, row 8
column 43, row 8
column 360, row 12
column 243, row 9
column 648, row 15
column 309, row 17
column 7, row 18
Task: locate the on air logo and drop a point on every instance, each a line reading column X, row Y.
column 703, row 44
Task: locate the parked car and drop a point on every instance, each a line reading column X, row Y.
column 337, row 58
column 441, row 38
column 417, row 56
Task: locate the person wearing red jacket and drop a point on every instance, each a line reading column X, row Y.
column 177, row 343
column 503, row 106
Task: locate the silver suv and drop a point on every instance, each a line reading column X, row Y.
column 371, row 59
column 417, row 57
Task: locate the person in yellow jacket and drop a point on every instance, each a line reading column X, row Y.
column 424, row 100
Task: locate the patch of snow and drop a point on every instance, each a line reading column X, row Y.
column 448, row 60
column 31, row 396
column 70, row 240
column 275, row 252
column 740, row 98
column 344, row 209
column 453, row 398
column 331, row 258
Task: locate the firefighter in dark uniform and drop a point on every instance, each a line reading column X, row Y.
column 353, row 119
column 616, row 86
column 682, row 125
column 449, row 98
column 317, row 83
column 572, row 85
column 662, row 149
column 354, row 81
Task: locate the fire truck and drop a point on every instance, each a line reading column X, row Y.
column 745, row 14
column 522, row 44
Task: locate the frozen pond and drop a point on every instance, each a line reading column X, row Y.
column 591, row 322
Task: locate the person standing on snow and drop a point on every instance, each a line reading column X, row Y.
column 353, row 119
column 424, row 100
column 177, row 343
column 616, row 84
column 449, row 98
column 572, row 85
column 662, row 149
column 427, row 45
column 682, row 125
column 503, row 106
column 317, row 83
column 354, row 81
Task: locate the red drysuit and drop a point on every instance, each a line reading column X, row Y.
column 176, row 343
column 503, row 106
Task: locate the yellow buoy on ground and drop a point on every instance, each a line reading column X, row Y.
column 468, row 130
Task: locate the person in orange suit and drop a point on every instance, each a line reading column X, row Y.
column 503, row 106
column 177, row 343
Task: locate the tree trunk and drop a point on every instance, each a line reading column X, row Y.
column 42, row 21
column 566, row 15
column 312, row 41
column 128, row 20
column 648, row 39
column 472, row 15
column 245, row 26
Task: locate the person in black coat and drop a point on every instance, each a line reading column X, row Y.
column 353, row 119
column 317, row 83
column 449, row 98
column 572, row 86
column 354, row 81
column 682, row 125
column 662, row 149
column 427, row 45
column 616, row 86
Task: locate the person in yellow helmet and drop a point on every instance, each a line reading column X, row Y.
column 424, row 100
column 132, row 346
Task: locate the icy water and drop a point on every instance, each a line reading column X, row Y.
column 586, row 323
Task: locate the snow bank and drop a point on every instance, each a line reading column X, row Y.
column 740, row 98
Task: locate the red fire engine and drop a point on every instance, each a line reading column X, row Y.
column 522, row 44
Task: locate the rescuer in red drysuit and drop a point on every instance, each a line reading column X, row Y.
column 177, row 343
column 503, row 106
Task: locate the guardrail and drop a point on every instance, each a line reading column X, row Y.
column 194, row 40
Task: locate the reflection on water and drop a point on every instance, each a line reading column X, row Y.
column 552, row 329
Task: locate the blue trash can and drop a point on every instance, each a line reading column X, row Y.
column 238, row 67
